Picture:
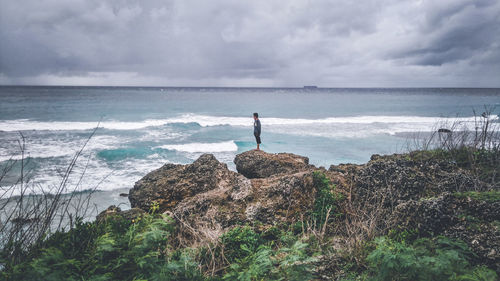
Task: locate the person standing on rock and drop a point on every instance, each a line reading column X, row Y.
column 256, row 128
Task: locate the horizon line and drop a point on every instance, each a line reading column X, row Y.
column 315, row 87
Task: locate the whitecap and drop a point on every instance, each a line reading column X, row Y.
column 55, row 147
column 208, row 121
column 226, row 146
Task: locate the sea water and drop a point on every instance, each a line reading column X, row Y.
column 139, row 128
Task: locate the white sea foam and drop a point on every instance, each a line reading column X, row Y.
column 202, row 147
column 26, row 125
column 343, row 130
column 207, row 121
column 55, row 147
column 97, row 175
column 102, row 176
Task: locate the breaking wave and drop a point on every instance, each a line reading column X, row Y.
column 202, row 147
column 207, row 121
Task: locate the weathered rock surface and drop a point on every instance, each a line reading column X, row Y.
column 170, row 184
column 260, row 164
column 472, row 221
column 402, row 178
column 206, row 198
column 112, row 210
column 407, row 192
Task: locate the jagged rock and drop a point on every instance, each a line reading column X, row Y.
column 472, row 221
column 207, row 197
column 270, row 201
column 401, row 178
column 116, row 211
column 280, row 198
column 171, row 183
column 260, row 164
column 407, row 192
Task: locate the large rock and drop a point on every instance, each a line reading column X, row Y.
column 400, row 178
column 470, row 220
column 259, row 164
column 402, row 191
column 389, row 192
column 270, row 201
column 114, row 211
column 170, row 184
column 206, row 198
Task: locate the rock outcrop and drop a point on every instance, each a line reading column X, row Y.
column 401, row 178
column 259, row 164
column 171, row 184
column 418, row 194
column 210, row 198
column 396, row 191
column 470, row 220
column 113, row 211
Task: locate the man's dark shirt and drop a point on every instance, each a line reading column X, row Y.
column 256, row 127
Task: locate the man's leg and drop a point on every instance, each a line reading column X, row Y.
column 257, row 140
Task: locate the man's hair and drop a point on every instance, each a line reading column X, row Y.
column 255, row 114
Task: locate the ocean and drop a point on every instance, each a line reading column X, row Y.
column 142, row 128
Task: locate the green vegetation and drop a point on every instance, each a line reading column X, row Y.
column 146, row 248
column 239, row 242
column 464, row 157
column 402, row 235
column 483, row 163
column 425, row 259
column 114, row 250
column 253, row 257
column 287, row 263
column 488, row 196
column 327, row 200
column 121, row 250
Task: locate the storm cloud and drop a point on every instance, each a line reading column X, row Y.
column 386, row 43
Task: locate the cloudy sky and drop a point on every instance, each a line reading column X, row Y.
column 335, row 43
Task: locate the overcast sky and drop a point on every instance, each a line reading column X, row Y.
column 386, row 43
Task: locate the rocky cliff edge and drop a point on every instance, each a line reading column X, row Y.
column 424, row 195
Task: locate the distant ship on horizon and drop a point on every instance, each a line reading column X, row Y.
column 310, row 87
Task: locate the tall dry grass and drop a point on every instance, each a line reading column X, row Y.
column 30, row 212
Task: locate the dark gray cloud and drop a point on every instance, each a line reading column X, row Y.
column 250, row 43
column 455, row 31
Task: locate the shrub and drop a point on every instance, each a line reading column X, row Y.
column 240, row 242
column 294, row 263
column 180, row 268
column 287, row 263
column 326, row 200
column 138, row 252
column 425, row 259
column 253, row 266
column 488, row 196
column 403, row 235
column 53, row 265
column 115, row 249
column 480, row 273
column 272, row 255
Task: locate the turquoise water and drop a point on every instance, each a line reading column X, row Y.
column 140, row 129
